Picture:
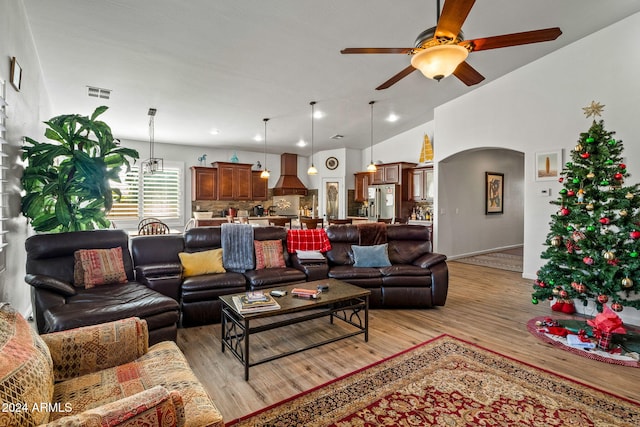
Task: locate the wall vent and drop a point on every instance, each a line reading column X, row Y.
column 337, row 136
column 97, row 92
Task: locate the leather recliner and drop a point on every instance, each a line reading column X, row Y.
column 59, row 305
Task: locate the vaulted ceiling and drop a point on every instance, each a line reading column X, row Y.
column 227, row 64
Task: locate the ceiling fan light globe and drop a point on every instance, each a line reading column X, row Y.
column 440, row 61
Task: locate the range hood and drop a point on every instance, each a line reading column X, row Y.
column 289, row 183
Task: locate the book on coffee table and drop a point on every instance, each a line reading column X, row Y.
column 243, row 306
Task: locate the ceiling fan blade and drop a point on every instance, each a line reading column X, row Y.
column 467, row 74
column 395, row 79
column 376, row 50
column 515, row 39
column 454, row 13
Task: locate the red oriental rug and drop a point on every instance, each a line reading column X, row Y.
column 448, row 381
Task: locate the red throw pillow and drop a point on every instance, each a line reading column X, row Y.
column 269, row 254
column 95, row 267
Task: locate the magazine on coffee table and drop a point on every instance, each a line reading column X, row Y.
column 245, row 307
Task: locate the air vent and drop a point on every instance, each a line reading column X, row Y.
column 97, row 92
column 337, row 136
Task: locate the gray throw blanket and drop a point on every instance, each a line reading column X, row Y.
column 237, row 247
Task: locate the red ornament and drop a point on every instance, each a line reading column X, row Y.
column 563, row 294
column 603, row 298
column 585, row 155
column 581, row 288
column 616, row 306
column 618, row 176
column 587, row 260
column 542, row 284
column 571, row 193
column 604, row 221
column 574, row 285
column 635, row 234
column 622, row 166
column 561, row 179
column 565, row 211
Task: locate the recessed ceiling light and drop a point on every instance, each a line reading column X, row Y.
column 392, row 118
column 257, row 138
column 318, row 114
column 301, row 143
column 215, row 131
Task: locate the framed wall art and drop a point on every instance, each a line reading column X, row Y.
column 548, row 165
column 494, row 192
column 16, row 74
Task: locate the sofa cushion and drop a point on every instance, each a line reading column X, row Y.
column 107, row 303
column 164, row 364
column 199, row 263
column 26, row 371
column 370, row 256
column 346, row 272
column 94, row 267
column 269, row 254
column 404, row 270
column 268, row 277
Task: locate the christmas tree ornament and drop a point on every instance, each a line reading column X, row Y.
column 569, row 165
column 623, row 213
column 608, row 162
column 627, row 283
column 589, row 207
column 608, row 255
column 612, row 142
column 602, row 299
column 581, row 288
column 565, row 211
column 592, row 110
column 635, row 235
column 555, row 291
column 587, row 260
column 581, row 196
column 590, row 140
column 618, row 176
column 633, row 254
column 585, row 155
column 577, row 236
column 556, row 241
column 571, row 193
column 534, row 300
column 563, row 191
column 574, row 285
column 616, row 306
column 578, row 148
column 575, row 180
column 591, row 228
column 622, row 166
column 561, row 180
column 569, row 228
column 563, row 294
column 591, row 175
column 628, row 196
column 604, row 221
column 604, row 182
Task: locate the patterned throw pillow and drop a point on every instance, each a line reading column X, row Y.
column 94, row 267
column 26, row 372
column 269, row 254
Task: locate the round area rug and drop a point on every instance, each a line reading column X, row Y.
column 624, row 353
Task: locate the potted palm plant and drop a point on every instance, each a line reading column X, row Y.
column 67, row 180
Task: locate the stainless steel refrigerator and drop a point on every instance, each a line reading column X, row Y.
column 384, row 201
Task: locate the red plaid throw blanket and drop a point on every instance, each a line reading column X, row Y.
column 308, row 240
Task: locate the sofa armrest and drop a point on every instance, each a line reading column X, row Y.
column 153, row 407
column 41, row 281
column 314, row 269
column 97, row 347
column 430, row 259
column 159, row 270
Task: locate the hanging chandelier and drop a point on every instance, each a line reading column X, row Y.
column 372, row 166
column 312, row 169
column 265, row 173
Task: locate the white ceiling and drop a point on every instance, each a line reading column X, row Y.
column 227, row 64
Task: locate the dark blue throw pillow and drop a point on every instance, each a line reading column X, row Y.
column 371, row 256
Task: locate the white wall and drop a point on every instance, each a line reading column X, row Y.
column 404, row 147
column 26, row 110
column 539, row 108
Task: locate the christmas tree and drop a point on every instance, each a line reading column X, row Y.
column 594, row 237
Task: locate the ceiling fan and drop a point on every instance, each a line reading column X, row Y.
column 441, row 50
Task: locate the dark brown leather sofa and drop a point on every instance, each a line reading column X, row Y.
column 417, row 277
column 59, row 305
column 158, row 266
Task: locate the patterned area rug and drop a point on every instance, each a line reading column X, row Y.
column 500, row 260
column 449, row 382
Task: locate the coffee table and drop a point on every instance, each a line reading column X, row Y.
column 342, row 301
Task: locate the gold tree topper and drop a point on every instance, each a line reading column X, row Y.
column 593, row 110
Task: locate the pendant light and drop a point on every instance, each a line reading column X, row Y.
column 372, row 166
column 265, row 173
column 312, row 169
column 152, row 164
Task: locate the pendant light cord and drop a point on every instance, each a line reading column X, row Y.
column 371, row 149
column 312, row 103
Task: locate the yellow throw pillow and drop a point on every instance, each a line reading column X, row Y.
column 199, row 263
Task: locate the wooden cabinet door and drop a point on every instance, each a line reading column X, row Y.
column 392, row 174
column 378, row 176
column 234, row 181
column 416, row 185
column 259, row 186
column 242, row 182
column 225, row 182
column 203, row 183
column 361, row 186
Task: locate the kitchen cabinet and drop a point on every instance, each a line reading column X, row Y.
column 234, row 180
column 204, row 183
column 259, row 186
column 390, row 173
column 422, row 184
column 361, row 185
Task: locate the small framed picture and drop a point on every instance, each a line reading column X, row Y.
column 16, row 74
column 494, row 193
column 548, row 165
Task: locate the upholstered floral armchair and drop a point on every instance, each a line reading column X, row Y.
column 96, row 375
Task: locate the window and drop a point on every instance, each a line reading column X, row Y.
column 157, row 195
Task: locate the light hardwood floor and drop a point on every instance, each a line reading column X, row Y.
column 487, row 306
